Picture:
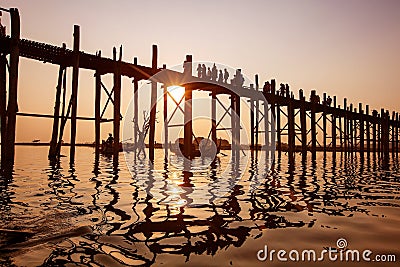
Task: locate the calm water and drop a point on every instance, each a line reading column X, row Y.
column 96, row 214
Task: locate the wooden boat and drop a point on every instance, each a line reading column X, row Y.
column 107, row 148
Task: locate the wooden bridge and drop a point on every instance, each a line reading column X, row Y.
column 343, row 128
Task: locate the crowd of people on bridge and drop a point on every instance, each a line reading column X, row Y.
column 215, row 75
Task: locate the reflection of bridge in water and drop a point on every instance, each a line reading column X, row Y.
column 342, row 128
column 147, row 229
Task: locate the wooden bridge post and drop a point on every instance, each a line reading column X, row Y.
column 278, row 127
column 74, row 91
column 165, row 116
column 54, row 137
column 233, row 126
column 379, row 135
column 313, row 127
column 135, row 107
column 237, row 127
column 214, row 116
column 273, row 114
column 153, row 105
column 368, row 127
column 374, row 131
column 397, row 132
column 324, row 122
column 392, row 124
column 257, row 113
column 291, row 132
column 3, row 107
column 188, row 130
column 303, row 125
column 385, row 134
column 117, row 105
column 362, row 133
column 351, row 128
column 97, row 122
column 252, row 121
column 12, row 106
column 345, row 126
column 334, row 125
column 267, row 122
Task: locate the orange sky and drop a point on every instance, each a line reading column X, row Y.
column 344, row 48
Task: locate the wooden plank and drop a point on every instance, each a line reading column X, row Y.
column 3, row 106
column 188, row 129
column 97, row 124
column 117, row 107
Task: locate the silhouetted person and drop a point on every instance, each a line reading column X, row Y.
column 214, row 73
column 239, row 78
column 199, row 68
column 110, row 139
column 282, row 89
column 329, row 101
column 267, row 87
column 226, row 76
column 220, row 76
column 208, row 73
column 2, row 28
column 203, row 71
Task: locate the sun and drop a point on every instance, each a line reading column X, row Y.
column 176, row 92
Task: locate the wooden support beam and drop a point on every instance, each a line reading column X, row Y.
column 136, row 107
column 345, row 126
column 333, row 126
column 324, row 133
column 393, row 132
column 368, row 128
column 351, row 128
column 12, row 107
column 233, row 126
column 374, row 132
column 385, row 134
column 74, row 91
column 97, row 124
column 237, row 126
column 188, row 129
column 362, row 132
column 278, row 127
column 165, row 116
column 257, row 107
column 3, row 107
column 54, row 137
column 153, row 105
column 397, row 132
column 313, row 129
column 291, row 132
column 214, row 117
column 117, row 106
column 267, row 131
column 273, row 115
column 252, row 132
column 303, row 124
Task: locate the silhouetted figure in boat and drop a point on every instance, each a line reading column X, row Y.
column 110, row 139
column 220, row 77
column 214, row 73
column 208, row 74
column 226, row 76
column 199, row 71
